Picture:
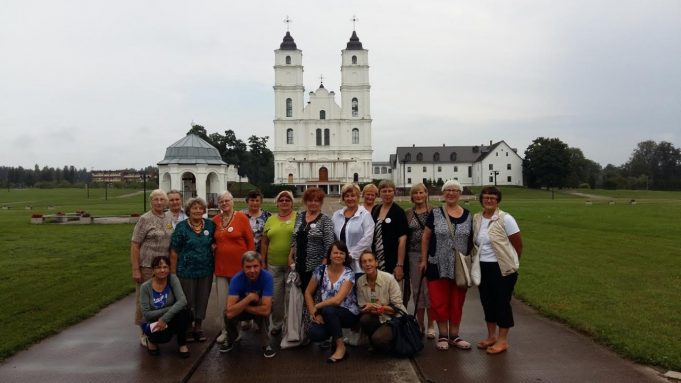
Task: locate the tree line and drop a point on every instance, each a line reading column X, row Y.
column 68, row 176
column 551, row 163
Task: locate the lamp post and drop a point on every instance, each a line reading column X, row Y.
column 495, row 173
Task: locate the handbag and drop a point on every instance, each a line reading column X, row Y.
column 406, row 334
column 462, row 262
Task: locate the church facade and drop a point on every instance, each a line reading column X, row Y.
column 318, row 142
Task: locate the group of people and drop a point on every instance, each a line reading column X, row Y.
column 353, row 270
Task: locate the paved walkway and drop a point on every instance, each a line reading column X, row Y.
column 105, row 348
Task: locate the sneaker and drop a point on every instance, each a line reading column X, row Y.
column 221, row 338
column 269, row 352
column 227, row 346
column 143, row 340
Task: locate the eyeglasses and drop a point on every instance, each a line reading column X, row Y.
column 489, row 198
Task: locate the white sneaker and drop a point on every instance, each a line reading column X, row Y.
column 222, row 336
column 143, row 340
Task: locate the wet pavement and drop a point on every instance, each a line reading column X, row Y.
column 105, row 348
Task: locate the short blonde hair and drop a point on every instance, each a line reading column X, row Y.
column 158, row 193
column 347, row 188
column 416, row 188
column 452, row 184
column 369, row 188
column 386, row 184
column 282, row 194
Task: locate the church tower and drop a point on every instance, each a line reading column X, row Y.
column 318, row 142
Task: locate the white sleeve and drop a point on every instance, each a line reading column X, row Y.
column 367, row 239
column 510, row 225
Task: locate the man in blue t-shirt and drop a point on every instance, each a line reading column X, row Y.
column 249, row 298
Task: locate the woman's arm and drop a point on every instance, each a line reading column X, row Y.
column 309, row 300
column 173, row 261
column 401, row 252
column 367, row 239
column 425, row 241
column 337, row 299
column 135, row 261
column 517, row 243
column 264, row 245
column 180, row 299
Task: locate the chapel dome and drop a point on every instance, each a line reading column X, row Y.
column 192, row 149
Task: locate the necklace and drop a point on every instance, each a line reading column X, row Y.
column 285, row 215
column 196, row 228
column 225, row 223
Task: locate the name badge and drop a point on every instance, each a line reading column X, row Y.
column 312, row 226
column 205, row 232
column 169, row 226
column 230, row 229
column 388, row 220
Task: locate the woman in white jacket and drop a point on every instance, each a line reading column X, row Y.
column 353, row 225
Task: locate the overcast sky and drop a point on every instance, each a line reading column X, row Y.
column 109, row 85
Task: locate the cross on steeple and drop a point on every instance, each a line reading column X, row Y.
column 321, row 79
column 288, row 22
column 354, row 20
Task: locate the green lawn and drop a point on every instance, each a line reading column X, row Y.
column 612, row 271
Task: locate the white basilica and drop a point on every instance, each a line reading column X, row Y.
column 318, row 142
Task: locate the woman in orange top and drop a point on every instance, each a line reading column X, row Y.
column 233, row 237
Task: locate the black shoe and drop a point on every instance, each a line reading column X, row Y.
column 153, row 352
column 227, row 346
column 332, row 360
column 269, row 352
column 184, row 354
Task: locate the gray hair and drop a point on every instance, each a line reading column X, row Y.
column 250, row 256
column 158, row 193
column 174, row 191
column 452, row 184
column 386, row 184
column 194, row 201
column 224, row 195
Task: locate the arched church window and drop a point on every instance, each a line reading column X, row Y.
column 407, row 157
column 319, row 137
column 289, row 107
column 327, row 137
column 355, row 107
column 289, row 136
column 355, row 136
column 354, row 59
column 452, row 157
column 436, row 157
column 288, row 59
column 419, row 157
column 322, row 115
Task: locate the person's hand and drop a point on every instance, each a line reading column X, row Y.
column 253, row 297
column 317, row 318
column 161, row 325
column 422, row 267
column 398, row 273
column 137, row 275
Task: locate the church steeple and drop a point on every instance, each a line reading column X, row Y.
column 290, row 45
column 354, row 44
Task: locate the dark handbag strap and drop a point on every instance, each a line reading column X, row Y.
column 452, row 230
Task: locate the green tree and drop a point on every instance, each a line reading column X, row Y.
column 547, row 163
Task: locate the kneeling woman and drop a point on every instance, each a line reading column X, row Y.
column 377, row 294
column 338, row 307
column 164, row 308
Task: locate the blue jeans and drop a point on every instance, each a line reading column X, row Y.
column 336, row 318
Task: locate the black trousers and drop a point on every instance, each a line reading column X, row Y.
column 495, row 294
column 177, row 327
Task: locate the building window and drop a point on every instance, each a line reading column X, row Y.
column 508, row 166
column 436, row 157
column 424, row 180
column 419, row 157
column 327, row 137
column 506, row 154
column 508, row 178
column 289, row 136
column 355, row 107
column 390, row 171
column 439, row 169
column 322, row 115
column 384, row 170
column 497, row 153
column 355, row 136
column 354, row 59
column 319, row 137
column 408, row 169
column 376, row 170
column 491, row 179
column 407, row 157
column 288, row 59
column 470, row 171
column 425, row 169
column 456, row 168
column 491, row 166
column 452, row 157
column 409, row 180
column 289, row 107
